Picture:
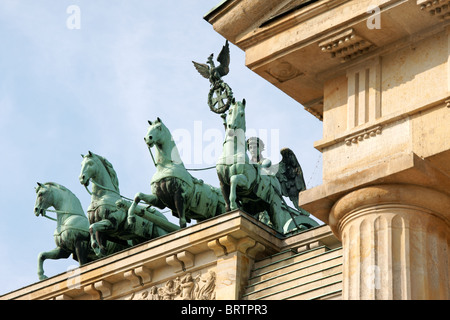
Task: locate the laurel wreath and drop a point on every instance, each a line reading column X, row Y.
column 223, row 92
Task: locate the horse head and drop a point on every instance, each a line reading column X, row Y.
column 236, row 117
column 159, row 135
column 155, row 133
column 44, row 199
column 99, row 170
column 88, row 169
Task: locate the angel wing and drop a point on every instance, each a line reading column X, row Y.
column 202, row 68
column 224, row 59
column 290, row 175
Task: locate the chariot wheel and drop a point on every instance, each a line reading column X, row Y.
column 220, row 97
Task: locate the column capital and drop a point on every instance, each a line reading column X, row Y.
column 428, row 200
column 395, row 240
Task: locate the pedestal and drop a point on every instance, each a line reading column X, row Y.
column 211, row 260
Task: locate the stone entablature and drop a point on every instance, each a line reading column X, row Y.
column 206, row 261
column 321, row 40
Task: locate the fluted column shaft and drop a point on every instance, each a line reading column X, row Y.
column 396, row 242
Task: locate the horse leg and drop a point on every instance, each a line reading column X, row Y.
column 222, row 173
column 54, row 254
column 278, row 215
column 81, row 250
column 131, row 217
column 95, row 230
column 150, row 199
column 238, row 180
column 179, row 205
column 226, row 195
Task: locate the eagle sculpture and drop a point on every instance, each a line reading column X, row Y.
column 211, row 72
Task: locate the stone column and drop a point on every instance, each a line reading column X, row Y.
column 396, row 242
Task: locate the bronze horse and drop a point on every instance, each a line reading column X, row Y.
column 173, row 186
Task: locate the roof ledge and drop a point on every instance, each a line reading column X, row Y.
column 232, row 18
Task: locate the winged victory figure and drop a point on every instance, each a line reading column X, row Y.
column 288, row 171
column 290, row 175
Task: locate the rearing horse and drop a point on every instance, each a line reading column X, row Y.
column 173, row 186
column 241, row 181
column 72, row 229
column 107, row 212
column 103, row 214
column 108, row 219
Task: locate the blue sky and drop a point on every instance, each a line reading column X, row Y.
column 66, row 91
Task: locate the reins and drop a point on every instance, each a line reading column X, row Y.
column 50, row 218
column 107, row 189
column 199, row 169
column 56, row 211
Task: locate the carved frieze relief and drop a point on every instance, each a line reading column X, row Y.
column 187, row 287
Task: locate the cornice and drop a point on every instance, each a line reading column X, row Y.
column 287, row 22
